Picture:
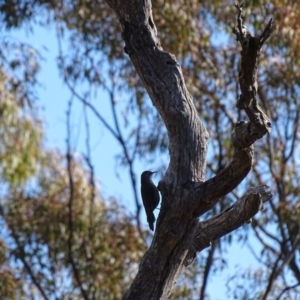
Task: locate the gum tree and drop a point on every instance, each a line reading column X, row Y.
column 186, row 195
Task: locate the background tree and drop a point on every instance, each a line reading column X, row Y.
column 55, row 225
column 197, row 35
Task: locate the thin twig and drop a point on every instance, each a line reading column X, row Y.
column 267, row 246
column 239, row 18
column 70, row 205
column 88, row 159
column 26, row 264
column 286, row 258
column 272, row 277
column 287, row 289
column 267, row 32
column 127, row 156
column 208, row 265
column 271, row 236
column 117, row 134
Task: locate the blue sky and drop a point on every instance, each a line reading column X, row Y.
column 53, row 98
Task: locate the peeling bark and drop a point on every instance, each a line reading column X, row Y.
column 185, row 194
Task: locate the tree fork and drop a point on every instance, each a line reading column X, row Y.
column 185, row 194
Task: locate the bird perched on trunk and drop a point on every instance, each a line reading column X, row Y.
column 150, row 196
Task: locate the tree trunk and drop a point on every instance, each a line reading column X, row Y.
column 179, row 236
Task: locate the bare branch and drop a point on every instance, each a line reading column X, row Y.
column 264, row 243
column 270, row 28
column 232, row 218
column 271, row 236
column 239, row 29
column 245, row 133
column 27, row 266
column 88, row 159
column 70, row 207
column 286, row 257
column 116, row 133
column 207, row 195
column 260, row 124
column 129, row 159
column 208, row 265
column 286, row 289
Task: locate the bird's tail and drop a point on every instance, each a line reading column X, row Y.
column 151, row 220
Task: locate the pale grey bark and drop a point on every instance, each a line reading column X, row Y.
column 185, row 194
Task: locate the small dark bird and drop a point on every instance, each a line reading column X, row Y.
column 150, row 196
